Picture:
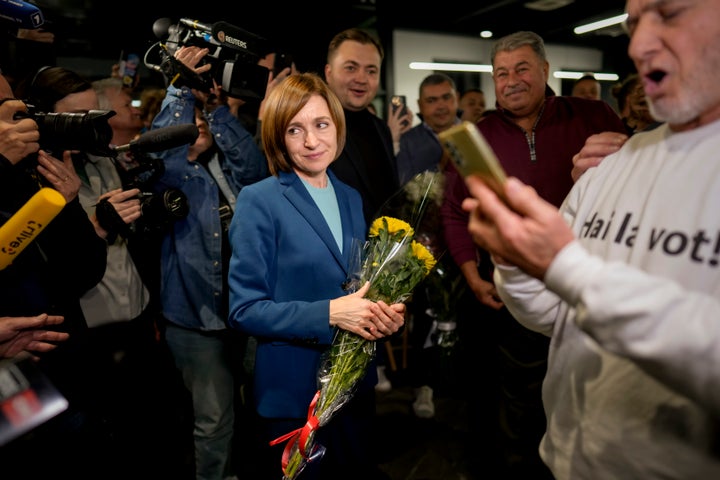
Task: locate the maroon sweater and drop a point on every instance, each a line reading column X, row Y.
column 541, row 158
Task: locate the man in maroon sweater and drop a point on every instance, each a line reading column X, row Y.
column 535, row 135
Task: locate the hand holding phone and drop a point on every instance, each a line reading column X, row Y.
column 472, row 155
column 400, row 101
column 282, row 61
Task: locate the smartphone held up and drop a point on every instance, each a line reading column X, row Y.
column 472, row 155
column 400, row 102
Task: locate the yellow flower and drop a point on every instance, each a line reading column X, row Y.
column 423, row 254
column 394, row 227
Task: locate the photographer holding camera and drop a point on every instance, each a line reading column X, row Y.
column 48, row 277
column 195, row 257
column 128, row 366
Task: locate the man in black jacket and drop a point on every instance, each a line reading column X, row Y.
column 367, row 162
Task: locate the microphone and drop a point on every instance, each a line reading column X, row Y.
column 201, row 29
column 196, row 25
column 27, row 223
column 161, row 139
column 22, row 14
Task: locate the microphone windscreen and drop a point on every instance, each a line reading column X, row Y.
column 161, row 27
column 27, row 223
column 165, row 138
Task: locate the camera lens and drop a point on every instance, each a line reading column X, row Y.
column 89, row 132
column 175, row 203
column 169, row 205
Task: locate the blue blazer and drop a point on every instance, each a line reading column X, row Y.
column 285, row 268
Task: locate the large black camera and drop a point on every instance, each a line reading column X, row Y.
column 159, row 209
column 166, row 206
column 234, row 54
column 89, row 132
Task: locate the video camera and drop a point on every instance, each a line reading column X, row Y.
column 234, row 54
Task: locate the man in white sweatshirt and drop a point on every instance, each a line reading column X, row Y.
column 625, row 278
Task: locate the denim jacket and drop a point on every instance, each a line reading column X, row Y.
column 192, row 264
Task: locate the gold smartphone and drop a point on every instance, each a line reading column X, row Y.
column 472, row 155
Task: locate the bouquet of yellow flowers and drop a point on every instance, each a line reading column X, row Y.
column 394, row 262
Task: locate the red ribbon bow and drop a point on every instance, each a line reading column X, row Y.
column 304, row 434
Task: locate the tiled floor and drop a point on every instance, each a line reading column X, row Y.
column 424, row 449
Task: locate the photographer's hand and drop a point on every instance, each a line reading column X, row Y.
column 190, row 56
column 125, row 203
column 211, row 100
column 272, row 83
column 18, row 137
column 61, row 175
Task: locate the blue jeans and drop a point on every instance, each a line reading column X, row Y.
column 205, row 362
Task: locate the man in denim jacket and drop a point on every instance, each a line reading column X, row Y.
column 195, row 256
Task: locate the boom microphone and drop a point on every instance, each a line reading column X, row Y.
column 161, row 139
column 21, row 14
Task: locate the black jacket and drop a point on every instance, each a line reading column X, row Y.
column 51, row 274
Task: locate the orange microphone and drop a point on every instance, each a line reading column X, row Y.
column 27, row 223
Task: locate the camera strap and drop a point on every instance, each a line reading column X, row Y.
column 217, row 173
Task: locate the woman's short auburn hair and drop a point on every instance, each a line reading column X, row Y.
column 281, row 106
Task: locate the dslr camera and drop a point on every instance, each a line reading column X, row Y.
column 159, row 210
column 234, row 54
column 89, row 132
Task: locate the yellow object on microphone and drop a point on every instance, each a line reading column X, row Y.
column 27, row 223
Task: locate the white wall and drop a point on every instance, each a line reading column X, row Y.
column 411, row 46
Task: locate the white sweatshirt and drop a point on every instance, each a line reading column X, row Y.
column 633, row 307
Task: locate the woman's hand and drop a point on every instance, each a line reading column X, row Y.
column 371, row 320
column 61, row 174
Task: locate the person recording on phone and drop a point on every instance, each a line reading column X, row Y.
column 399, row 120
column 48, row 278
column 535, row 134
column 623, row 276
column 420, row 149
column 195, row 254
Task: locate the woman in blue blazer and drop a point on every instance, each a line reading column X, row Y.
column 291, row 238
